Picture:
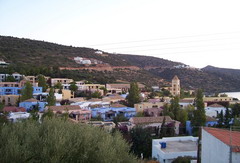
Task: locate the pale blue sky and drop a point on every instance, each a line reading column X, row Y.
column 197, row 33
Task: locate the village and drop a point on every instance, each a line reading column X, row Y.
column 167, row 112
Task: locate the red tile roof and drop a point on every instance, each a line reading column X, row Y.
column 224, row 136
column 13, row 109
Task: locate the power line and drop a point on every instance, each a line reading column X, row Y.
column 197, row 51
column 172, row 48
column 165, row 38
column 171, row 43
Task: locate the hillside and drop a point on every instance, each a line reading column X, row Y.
column 32, row 57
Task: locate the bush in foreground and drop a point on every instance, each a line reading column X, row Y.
column 56, row 140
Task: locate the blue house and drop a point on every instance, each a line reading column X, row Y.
column 209, row 123
column 32, row 104
column 108, row 113
column 10, row 90
column 17, row 90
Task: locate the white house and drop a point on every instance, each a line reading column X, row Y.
column 214, row 109
column 165, row 150
column 16, row 116
column 220, row 145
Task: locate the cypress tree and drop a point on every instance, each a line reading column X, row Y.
column 27, row 91
column 51, row 99
column 42, row 82
column 134, row 94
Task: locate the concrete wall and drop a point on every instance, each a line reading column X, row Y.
column 169, row 157
column 214, row 150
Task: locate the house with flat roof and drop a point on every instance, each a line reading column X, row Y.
column 32, row 103
column 108, row 113
column 220, row 145
column 165, row 150
column 154, row 122
column 74, row 111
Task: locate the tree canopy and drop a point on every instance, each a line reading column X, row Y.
column 134, row 94
column 42, row 83
column 51, row 99
column 27, row 91
column 55, row 140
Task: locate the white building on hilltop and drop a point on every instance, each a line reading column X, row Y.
column 165, row 150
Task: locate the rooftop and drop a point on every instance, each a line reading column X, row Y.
column 224, row 136
column 147, row 120
column 180, row 146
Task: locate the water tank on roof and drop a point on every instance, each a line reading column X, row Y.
column 163, row 144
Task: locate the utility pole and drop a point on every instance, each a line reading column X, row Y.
column 230, row 156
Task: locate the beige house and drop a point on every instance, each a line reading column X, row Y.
column 147, row 105
column 10, row 84
column 123, row 87
column 217, row 99
column 175, row 91
column 9, row 100
column 54, row 81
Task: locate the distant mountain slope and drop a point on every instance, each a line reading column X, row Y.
column 32, row 52
column 148, row 62
column 232, row 73
column 193, row 79
column 25, row 55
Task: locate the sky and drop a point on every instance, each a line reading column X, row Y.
column 196, row 33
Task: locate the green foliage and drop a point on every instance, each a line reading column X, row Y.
column 27, row 91
column 51, row 99
column 73, row 87
column 10, row 78
column 139, row 114
column 1, row 107
column 58, row 86
column 236, row 122
column 163, row 131
column 175, row 107
column 119, row 118
column 96, row 94
column 42, row 83
column 55, row 140
column 182, row 116
column 141, row 142
column 48, row 114
column 235, row 110
column 134, row 94
column 104, row 90
column 199, row 117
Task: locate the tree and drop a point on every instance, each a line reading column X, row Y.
column 199, row 117
column 119, row 118
column 134, row 94
column 61, row 141
column 227, row 117
column 163, row 131
column 58, row 86
column 182, row 116
column 27, row 91
column 96, row 94
column 73, row 87
column 42, row 83
column 175, row 107
column 51, row 99
column 141, row 142
column 104, row 90
column 10, row 78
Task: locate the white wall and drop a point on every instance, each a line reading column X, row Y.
column 214, row 150
column 169, row 157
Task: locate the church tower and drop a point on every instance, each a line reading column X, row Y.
column 175, row 86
